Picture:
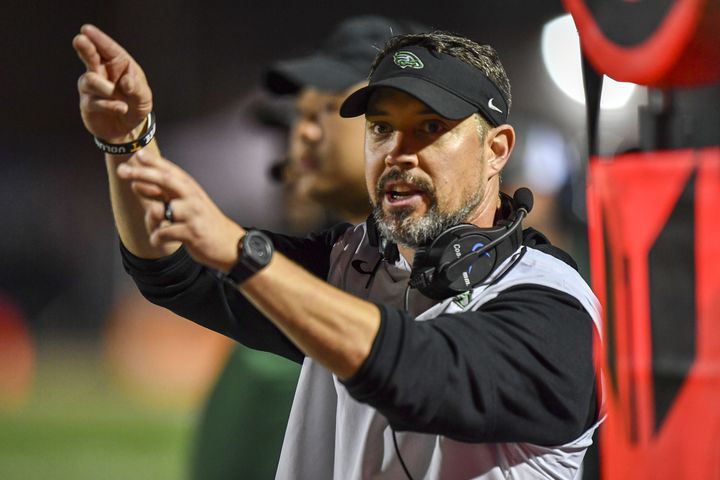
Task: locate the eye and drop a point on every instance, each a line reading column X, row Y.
column 304, row 115
column 332, row 107
column 380, row 128
column 433, row 127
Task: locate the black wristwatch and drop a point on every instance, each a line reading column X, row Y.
column 255, row 251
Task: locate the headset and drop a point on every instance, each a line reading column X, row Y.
column 463, row 256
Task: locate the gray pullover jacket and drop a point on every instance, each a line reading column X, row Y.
column 496, row 383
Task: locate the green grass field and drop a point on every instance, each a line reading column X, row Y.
column 77, row 425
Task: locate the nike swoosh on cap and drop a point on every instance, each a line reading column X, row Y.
column 493, row 107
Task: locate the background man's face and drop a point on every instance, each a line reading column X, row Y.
column 424, row 172
column 326, row 150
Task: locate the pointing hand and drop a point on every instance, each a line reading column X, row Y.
column 115, row 97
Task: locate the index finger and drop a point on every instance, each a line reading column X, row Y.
column 106, row 47
column 155, row 170
column 87, row 52
column 153, row 178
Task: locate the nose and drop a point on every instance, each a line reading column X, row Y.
column 308, row 129
column 401, row 154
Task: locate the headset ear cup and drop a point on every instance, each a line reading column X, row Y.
column 440, row 249
column 483, row 265
column 460, row 270
column 446, row 268
column 424, row 275
column 428, row 275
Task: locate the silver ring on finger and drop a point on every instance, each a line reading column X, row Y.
column 168, row 212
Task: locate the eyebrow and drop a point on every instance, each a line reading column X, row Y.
column 377, row 112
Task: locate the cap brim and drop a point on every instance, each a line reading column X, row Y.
column 445, row 103
column 317, row 71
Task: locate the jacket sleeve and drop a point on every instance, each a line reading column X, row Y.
column 182, row 285
column 519, row 369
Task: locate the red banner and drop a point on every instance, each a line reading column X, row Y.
column 655, row 256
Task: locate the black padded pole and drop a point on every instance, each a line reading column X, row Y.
column 592, row 81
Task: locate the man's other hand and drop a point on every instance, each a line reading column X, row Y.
column 208, row 235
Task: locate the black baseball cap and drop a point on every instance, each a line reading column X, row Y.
column 448, row 85
column 343, row 60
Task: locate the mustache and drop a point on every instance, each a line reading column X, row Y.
column 397, row 175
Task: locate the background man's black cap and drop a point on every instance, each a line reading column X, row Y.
column 344, row 58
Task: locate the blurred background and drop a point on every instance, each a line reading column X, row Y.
column 95, row 382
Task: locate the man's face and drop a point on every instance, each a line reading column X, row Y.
column 424, row 172
column 326, row 151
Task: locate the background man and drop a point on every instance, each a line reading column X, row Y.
column 495, row 381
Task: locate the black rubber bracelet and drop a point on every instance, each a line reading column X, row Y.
column 130, row 147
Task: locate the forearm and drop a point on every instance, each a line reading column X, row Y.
column 325, row 323
column 115, row 106
column 129, row 211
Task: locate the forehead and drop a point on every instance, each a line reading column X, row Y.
column 310, row 98
column 386, row 100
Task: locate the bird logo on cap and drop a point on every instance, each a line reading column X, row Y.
column 405, row 59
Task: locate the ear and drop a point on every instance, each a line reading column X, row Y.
column 500, row 142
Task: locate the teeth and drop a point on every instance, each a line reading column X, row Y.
column 395, row 194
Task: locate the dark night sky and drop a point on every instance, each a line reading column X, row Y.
column 197, row 53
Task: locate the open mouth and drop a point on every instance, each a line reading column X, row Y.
column 395, row 195
column 308, row 163
column 402, row 194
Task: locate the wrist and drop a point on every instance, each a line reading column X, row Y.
column 135, row 133
column 254, row 252
column 232, row 255
column 140, row 137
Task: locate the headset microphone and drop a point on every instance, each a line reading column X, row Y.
column 523, row 199
column 463, row 256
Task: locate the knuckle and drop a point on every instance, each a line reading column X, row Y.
column 82, row 83
column 194, row 229
column 95, row 105
column 191, row 227
column 149, row 216
column 154, row 212
column 184, row 183
column 195, row 209
column 159, row 211
column 117, row 60
column 192, row 243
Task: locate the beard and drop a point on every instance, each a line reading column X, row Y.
column 400, row 227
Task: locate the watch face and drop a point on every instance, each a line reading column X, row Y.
column 257, row 248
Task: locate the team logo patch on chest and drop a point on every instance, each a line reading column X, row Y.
column 463, row 300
